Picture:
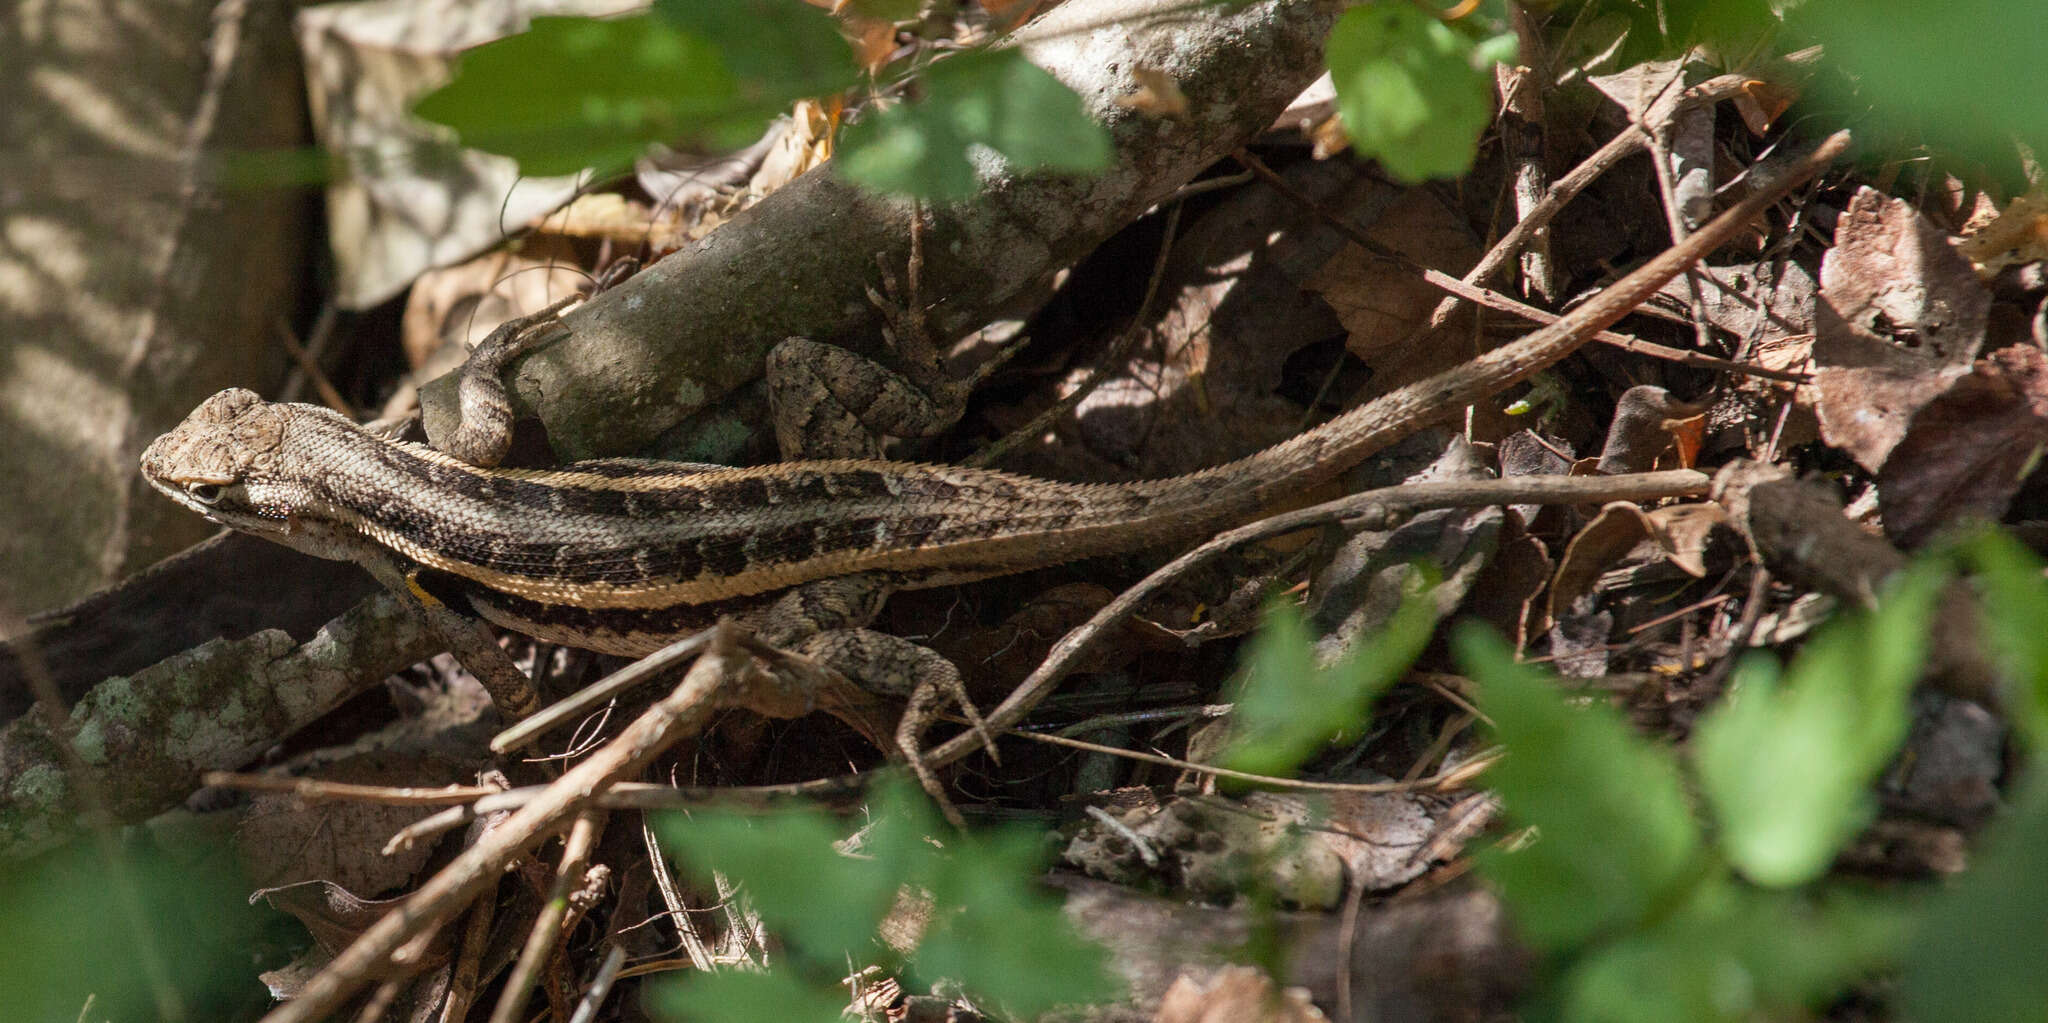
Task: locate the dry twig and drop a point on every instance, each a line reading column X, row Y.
column 479, row 867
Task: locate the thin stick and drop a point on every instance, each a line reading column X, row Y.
column 547, row 926
column 1464, row 289
column 679, row 714
column 1631, row 140
column 600, row 985
column 476, row 940
column 540, row 722
column 329, row 395
column 315, row 346
column 844, row 792
column 314, row 790
column 1433, row 783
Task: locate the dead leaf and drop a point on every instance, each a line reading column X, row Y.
column 1761, row 103
column 1528, row 453
column 1230, row 317
column 1964, row 454
column 1234, row 994
column 1329, row 138
column 2018, row 235
column 1900, row 316
column 1378, row 301
column 1613, row 534
column 1760, row 303
column 609, row 216
column 1649, row 424
column 806, row 143
column 336, row 917
column 1639, row 88
column 1621, row 530
column 1381, row 304
column 1316, row 104
column 1011, row 12
column 873, row 38
column 283, row 839
column 1682, row 531
column 1506, row 594
column 1157, row 95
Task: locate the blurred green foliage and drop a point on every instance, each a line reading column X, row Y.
column 570, row 93
column 1415, row 92
column 990, row 930
column 1787, row 764
column 1978, row 953
column 1964, row 79
column 69, row 931
column 991, row 98
column 1644, row 915
column 1286, row 709
column 1615, row 840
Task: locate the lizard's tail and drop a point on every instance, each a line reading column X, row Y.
column 1211, row 499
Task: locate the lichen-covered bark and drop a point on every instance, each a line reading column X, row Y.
column 696, row 325
column 152, row 734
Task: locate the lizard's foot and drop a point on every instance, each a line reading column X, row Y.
column 889, row 664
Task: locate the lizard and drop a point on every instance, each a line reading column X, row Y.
column 624, row 555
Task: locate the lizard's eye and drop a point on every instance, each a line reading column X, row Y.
column 204, row 493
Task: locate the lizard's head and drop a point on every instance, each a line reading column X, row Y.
column 222, row 463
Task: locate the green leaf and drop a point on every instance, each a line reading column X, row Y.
column 1788, row 767
column 71, row 932
column 744, row 995
column 1287, row 709
column 827, row 903
column 2014, row 607
column 886, row 10
column 992, row 98
column 1726, row 30
column 1002, row 937
column 1413, row 92
column 1977, row 955
column 780, row 51
column 1965, row 76
column 1734, row 953
column 570, row 93
column 993, row 931
column 1615, row 840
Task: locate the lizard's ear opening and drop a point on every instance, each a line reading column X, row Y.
column 204, row 493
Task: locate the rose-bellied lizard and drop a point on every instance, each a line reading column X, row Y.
column 624, row 555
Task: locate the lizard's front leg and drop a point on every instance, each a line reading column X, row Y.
column 472, row 644
column 828, row 402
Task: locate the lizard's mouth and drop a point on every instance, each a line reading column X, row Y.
column 220, row 502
